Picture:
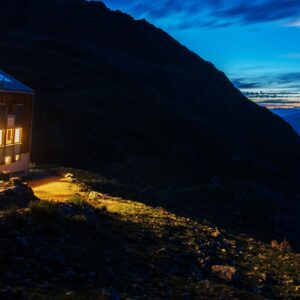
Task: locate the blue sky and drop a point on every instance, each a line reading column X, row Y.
column 256, row 43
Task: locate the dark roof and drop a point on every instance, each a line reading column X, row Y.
column 8, row 83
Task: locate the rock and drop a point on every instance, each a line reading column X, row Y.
column 22, row 241
column 93, row 195
column 19, row 258
column 215, row 233
column 111, row 294
column 264, row 276
column 162, row 250
column 285, row 245
column 16, row 181
column 56, row 259
column 69, row 274
column 196, row 273
column 70, row 295
column 230, row 242
column 26, row 281
column 10, row 278
column 84, row 189
column 18, row 190
column 10, row 293
column 29, row 192
column 274, row 244
column 91, row 274
column 69, row 176
column 226, row 273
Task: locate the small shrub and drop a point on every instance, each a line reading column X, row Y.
column 79, row 218
column 13, row 208
column 78, row 200
column 43, row 210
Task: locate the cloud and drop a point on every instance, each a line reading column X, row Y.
column 281, row 80
column 244, row 83
column 213, row 13
column 295, row 23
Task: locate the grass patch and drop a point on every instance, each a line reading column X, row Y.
column 12, row 209
column 79, row 218
column 43, row 210
column 78, row 200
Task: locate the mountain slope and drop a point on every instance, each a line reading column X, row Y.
column 123, row 97
column 135, row 72
column 95, row 246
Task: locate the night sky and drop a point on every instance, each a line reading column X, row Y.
column 256, row 43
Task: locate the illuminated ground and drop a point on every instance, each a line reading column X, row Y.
column 48, row 186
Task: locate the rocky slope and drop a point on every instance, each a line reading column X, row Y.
column 123, row 98
column 95, row 246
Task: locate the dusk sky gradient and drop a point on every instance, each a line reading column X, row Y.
column 256, row 43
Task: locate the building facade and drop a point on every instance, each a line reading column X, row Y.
column 16, row 108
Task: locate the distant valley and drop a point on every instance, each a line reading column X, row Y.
column 291, row 115
column 285, row 104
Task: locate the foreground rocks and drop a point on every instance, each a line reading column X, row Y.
column 16, row 193
column 227, row 273
column 95, row 246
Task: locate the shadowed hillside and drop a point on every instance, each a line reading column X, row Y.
column 121, row 96
column 93, row 246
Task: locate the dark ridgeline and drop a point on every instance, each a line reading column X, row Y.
column 122, row 97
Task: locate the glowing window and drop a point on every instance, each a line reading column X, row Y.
column 18, row 135
column 7, row 160
column 1, row 137
column 9, row 136
column 17, row 157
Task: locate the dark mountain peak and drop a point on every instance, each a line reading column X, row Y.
column 134, row 71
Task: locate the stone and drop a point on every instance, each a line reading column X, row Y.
column 93, row 196
column 226, row 273
column 16, row 181
column 215, row 233
column 69, row 175
column 274, row 244
column 8, row 293
column 69, row 274
column 22, row 241
column 285, row 245
column 230, row 242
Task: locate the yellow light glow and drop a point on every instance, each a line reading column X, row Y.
column 18, row 135
column 7, row 160
column 1, row 137
column 9, row 136
column 17, row 157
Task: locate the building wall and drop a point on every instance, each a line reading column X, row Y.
column 21, row 166
column 16, row 112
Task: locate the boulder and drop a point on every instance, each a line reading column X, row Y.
column 226, row 273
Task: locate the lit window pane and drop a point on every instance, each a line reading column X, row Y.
column 9, row 136
column 7, row 160
column 1, row 137
column 18, row 134
column 17, row 158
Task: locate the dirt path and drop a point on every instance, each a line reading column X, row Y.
column 48, row 186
